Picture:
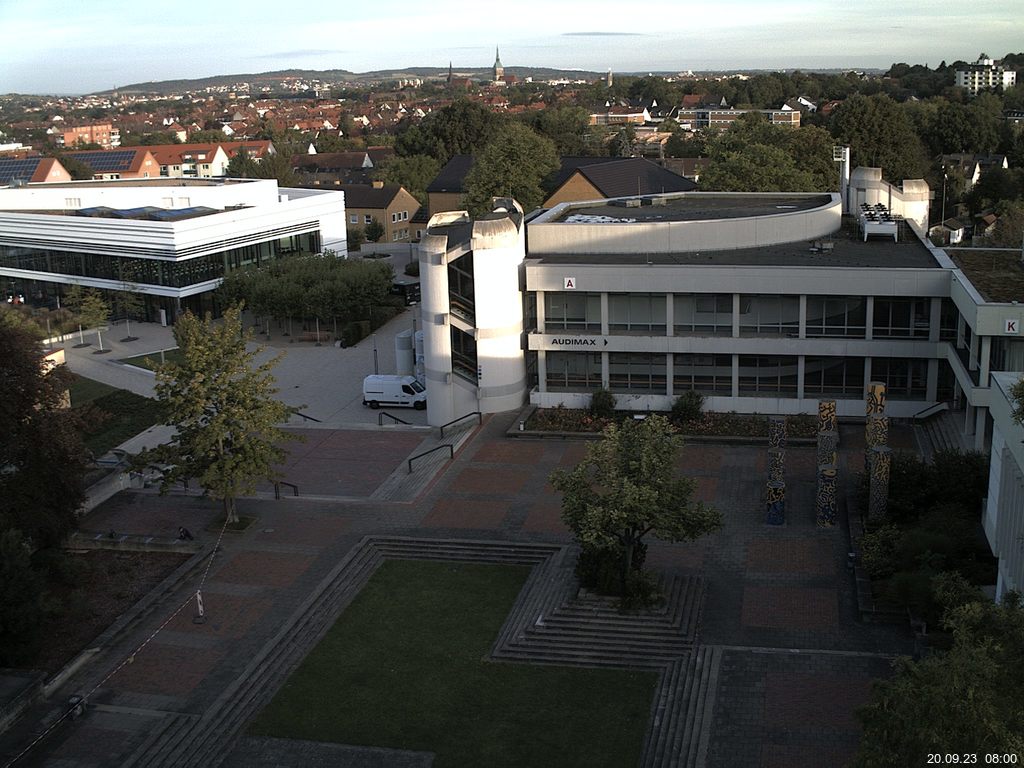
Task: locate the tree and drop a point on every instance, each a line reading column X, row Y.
column 513, row 164
column 880, row 135
column 627, row 487
column 21, row 593
column 354, row 237
column 462, row 128
column 78, row 170
column 223, row 408
column 622, row 142
column 41, row 453
column 414, row 172
column 969, row 699
column 241, row 166
column 90, row 309
column 567, row 127
column 374, row 231
column 1009, row 229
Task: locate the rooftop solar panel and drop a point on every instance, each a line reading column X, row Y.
column 114, row 161
column 21, row 170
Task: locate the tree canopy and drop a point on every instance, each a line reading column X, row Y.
column 414, row 172
column 223, row 408
column 881, row 135
column 462, row 128
column 627, row 486
column 969, row 699
column 514, row 163
column 41, row 450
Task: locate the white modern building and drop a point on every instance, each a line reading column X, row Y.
column 1003, row 518
column 172, row 240
column 985, row 73
column 764, row 303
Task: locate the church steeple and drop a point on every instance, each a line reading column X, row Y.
column 499, row 70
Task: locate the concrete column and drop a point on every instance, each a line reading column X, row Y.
column 735, row 375
column 604, row 315
column 669, row 384
column 869, row 318
column 980, row 424
column 867, row 374
column 960, row 325
column 605, row 373
column 541, row 314
column 542, row 371
column 969, row 419
column 800, row 368
column 972, row 359
column 932, row 387
column 935, row 319
column 670, row 315
column 802, row 333
column 735, row 317
column 985, row 359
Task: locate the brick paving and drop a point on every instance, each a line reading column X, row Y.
column 796, row 661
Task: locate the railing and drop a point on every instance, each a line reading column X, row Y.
column 277, row 489
column 480, row 420
column 382, row 414
column 451, row 454
column 931, row 410
column 307, row 418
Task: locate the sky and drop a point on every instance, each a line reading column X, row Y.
column 79, row 46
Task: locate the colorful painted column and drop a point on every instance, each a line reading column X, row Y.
column 775, row 501
column 825, row 500
column 878, row 488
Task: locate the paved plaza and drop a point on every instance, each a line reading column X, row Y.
column 793, row 660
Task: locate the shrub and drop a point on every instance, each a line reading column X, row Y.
column 412, row 269
column 688, row 407
column 600, row 570
column 602, row 404
column 878, row 551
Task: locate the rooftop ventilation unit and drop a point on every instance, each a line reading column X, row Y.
column 634, row 202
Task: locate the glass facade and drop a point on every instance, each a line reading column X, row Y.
column 464, row 360
column 762, row 315
column 905, row 379
column 639, row 313
column 573, row 371
column 836, row 316
column 834, row 377
column 710, row 374
column 774, row 375
column 702, row 314
column 572, row 311
column 636, row 372
column 901, row 317
column 173, row 273
column 461, row 292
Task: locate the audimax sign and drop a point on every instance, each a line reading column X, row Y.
column 575, row 341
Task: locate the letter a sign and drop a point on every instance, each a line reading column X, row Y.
column 569, row 283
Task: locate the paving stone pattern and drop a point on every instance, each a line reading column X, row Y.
column 764, row 666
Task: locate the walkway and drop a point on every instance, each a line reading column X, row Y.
column 783, row 660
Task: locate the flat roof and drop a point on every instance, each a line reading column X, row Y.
column 844, row 248
column 690, row 206
column 997, row 274
column 163, row 181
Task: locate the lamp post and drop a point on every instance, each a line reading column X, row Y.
column 945, row 176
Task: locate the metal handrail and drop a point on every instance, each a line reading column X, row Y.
column 307, row 418
column 382, row 414
column 451, row 454
column 480, row 420
column 931, row 410
column 277, row 488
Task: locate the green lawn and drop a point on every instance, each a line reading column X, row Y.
column 406, row 667
column 151, row 360
column 109, row 415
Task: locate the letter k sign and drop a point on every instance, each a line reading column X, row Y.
column 1012, row 326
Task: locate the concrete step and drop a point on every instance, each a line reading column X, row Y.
column 170, row 730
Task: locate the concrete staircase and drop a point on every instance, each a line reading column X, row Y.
column 548, row 624
column 943, row 431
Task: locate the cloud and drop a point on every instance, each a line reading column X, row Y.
column 603, row 34
column 296, row 54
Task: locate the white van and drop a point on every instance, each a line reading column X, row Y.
column 381, row 390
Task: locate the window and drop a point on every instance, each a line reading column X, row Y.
column 405, row 215
column 394, row 218
column 834, row 376
column 836, row 316
column 573, row 371
column 705, row 314
column 461, row 291
column 638, row 313
column 774, row 375
column 902, row 317
column 353, row 218
column 710, row 374
column 464, row 355
column 72, row 202
column 636, row 371
column 764, row 315
column 572, row 311
column 367, row 219
column 905, row 379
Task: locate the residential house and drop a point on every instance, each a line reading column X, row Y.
column 203, row 161
column 31, row 170
column 123, row 163
column 390, row 204
column 104, row 134
column 580, row 179
column 446, row 192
